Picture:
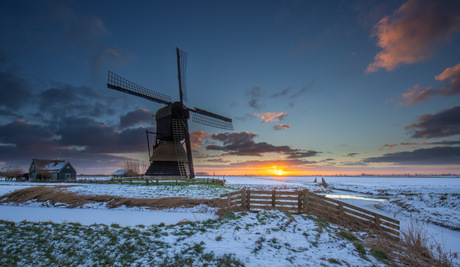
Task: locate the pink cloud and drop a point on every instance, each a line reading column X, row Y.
column 271, row 116
column 451, row 76
column 417, row 94
column 411, row 33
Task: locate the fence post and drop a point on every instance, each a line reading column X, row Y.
column 273, row 198
column 248, row 200
column 243, row 198
column 377, row 221
column 305, row 200
column 341, row 209
column 229, row 201
column 299, row 202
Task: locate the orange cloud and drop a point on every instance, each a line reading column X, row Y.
column 196, row 138
column 271, row 116
column 410, row 34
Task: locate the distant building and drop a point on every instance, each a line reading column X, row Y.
column 123, row 173
column 51, row 169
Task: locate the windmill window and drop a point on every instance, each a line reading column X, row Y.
column 68, row 167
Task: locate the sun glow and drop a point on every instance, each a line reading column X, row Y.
column 279, row 172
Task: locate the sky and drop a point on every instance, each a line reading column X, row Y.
column 313, row 87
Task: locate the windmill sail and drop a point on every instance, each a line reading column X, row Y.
column 181, row 71
column 119, row 83
column 211, row 119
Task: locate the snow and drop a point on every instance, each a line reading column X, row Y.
column 153, row 191
column 270, row 238
column 433, row 203
column 123, row 217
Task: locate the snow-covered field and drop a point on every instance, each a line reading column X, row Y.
column 424, row 200
column 269, row 238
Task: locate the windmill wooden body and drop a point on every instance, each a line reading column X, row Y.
column 171, row 155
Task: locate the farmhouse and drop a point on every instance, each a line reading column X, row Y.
column 49, row 169
column 123, row 173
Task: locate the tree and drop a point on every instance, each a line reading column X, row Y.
column 11, row 172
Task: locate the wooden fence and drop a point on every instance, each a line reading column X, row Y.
column 299, row 202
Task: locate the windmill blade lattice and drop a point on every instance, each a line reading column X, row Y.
column 119, row 83
column 204, row 117
column 182, row 70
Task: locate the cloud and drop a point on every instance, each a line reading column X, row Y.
column 196, row 138
column 291, row 94
column 279, row 127
column 451, row 76
column 136, row 117
column 271, row 116
column 413, row 31
column 428, row 156
column 442, row 124
column 28, row 137
column 297, row 154
column 255, row 94
column 416, row 144
column 7, row 113
column 218, row 160
column 417, row 94
column 86, row 32
column 15, row 91
column 283, row 92
column 97, row 137
column 390, row 146
column 351, row 154
column 242, row 144
column 303, row 90
column 265, row 163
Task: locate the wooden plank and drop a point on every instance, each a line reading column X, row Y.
column 394, row 226
column 322, row 208
column 354, row 207
column 361, row 215
column 285, row 203
column 230, row 194
column 371, row 213
column 267, row 202
column 325, row 204
column 235, row 197
column 293, row 198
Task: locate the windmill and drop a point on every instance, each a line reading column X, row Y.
column 171, row 151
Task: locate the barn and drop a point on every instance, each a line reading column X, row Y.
column 51, row 169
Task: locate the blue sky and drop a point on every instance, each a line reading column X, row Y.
column 313, row 88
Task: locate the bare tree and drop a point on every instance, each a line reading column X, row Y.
column 133, row 165
column 11, row 172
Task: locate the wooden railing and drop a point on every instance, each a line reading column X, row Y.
column 299, row 202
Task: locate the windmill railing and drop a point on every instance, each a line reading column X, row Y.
column 305, row 202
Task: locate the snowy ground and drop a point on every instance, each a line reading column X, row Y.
column 269, row 238
column 425, row 200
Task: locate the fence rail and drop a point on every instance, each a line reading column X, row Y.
column 307, row 202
